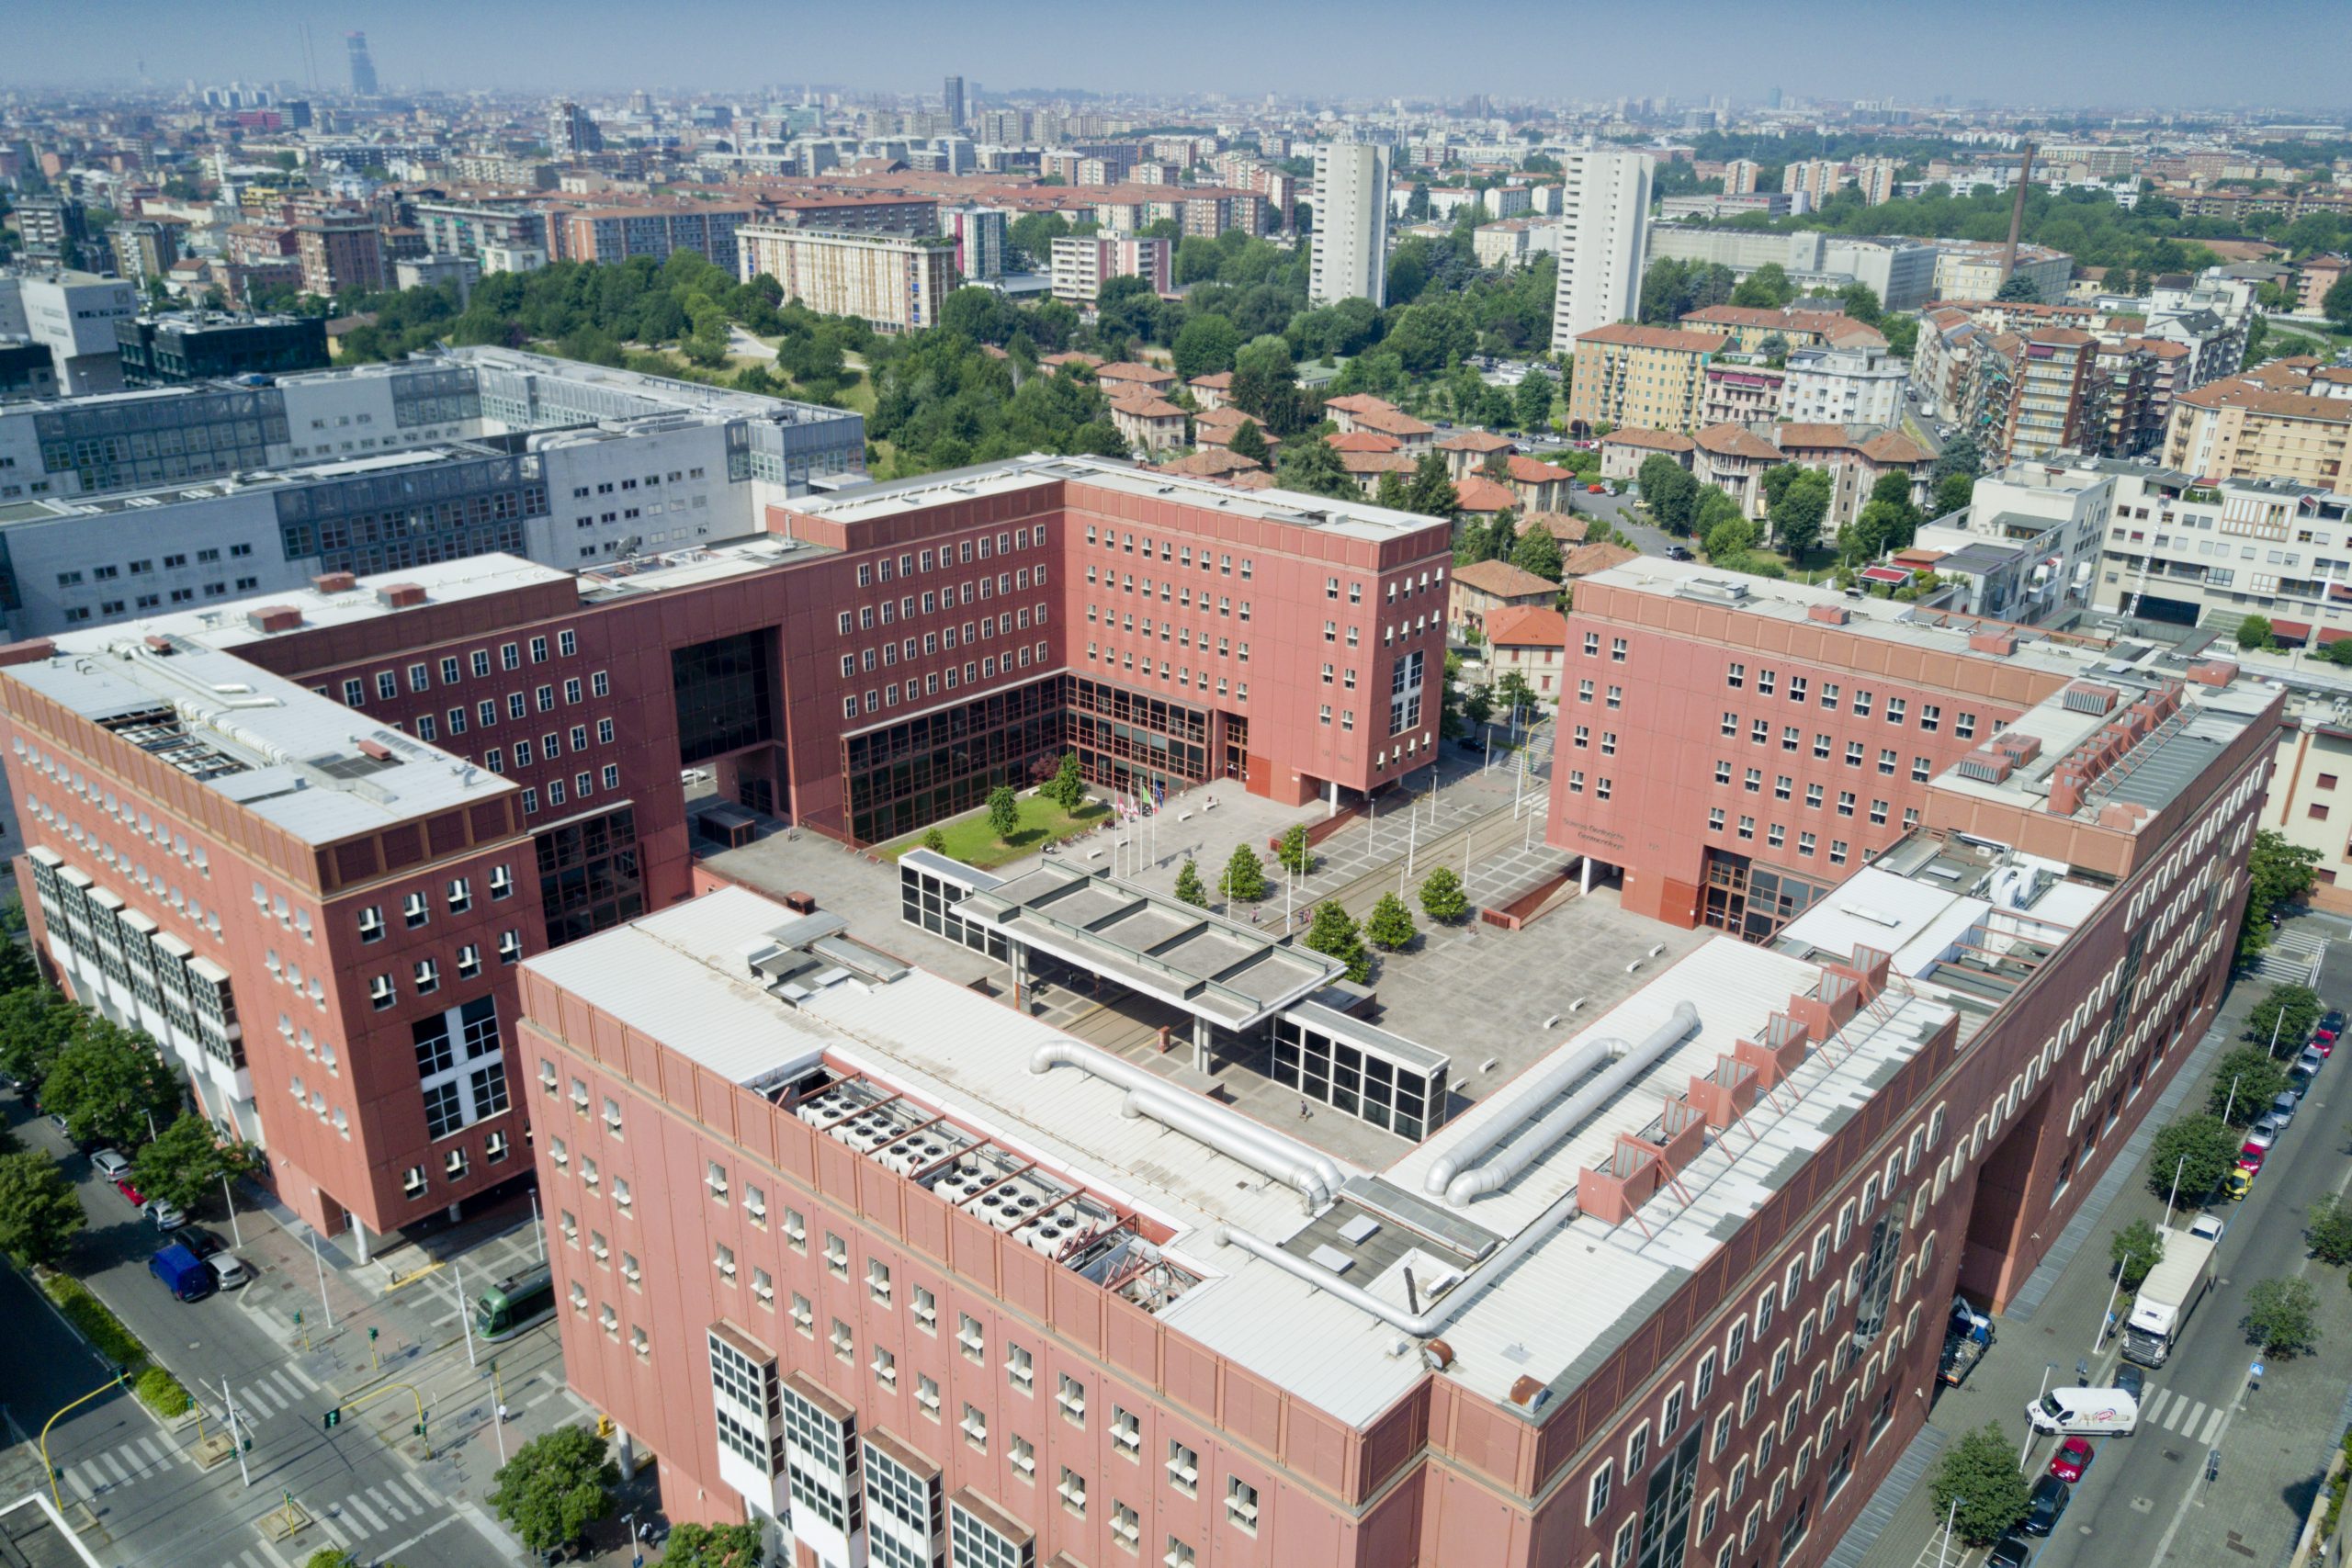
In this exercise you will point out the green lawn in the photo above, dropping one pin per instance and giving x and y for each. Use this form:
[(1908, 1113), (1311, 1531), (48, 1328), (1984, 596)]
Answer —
[(970, 839)]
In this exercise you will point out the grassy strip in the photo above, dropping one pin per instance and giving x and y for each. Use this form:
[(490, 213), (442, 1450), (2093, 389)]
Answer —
[(163, 1393), (100, 1327)]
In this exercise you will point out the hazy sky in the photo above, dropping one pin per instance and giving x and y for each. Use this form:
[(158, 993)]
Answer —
[(2092, 52)]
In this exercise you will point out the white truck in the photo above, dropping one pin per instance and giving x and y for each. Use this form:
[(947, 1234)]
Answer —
[(2167, 1296)]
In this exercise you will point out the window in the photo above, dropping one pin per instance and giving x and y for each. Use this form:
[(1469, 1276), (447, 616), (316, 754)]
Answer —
[(1241, 1505), (1072, 1400), (1183, 1469), (1020, 1367), (1596, 1496), (1127, 1431)]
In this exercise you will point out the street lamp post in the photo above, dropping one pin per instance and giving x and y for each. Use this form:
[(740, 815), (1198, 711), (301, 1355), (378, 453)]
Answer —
[(319, 1259), (2113, 1291), (230, 1198), (2232, 1103), (2047, 1368), (1950, 1514), (2176, 1169)]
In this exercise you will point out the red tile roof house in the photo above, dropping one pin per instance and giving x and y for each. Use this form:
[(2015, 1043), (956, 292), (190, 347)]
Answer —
[(1540, 486), (1365, 468), (1088, 361), (1363, 441), (1121, 377), (1210, 391), (1566, 526), (1216, 427), (1209, 463), (1531, 639), (1364, 412), (1481, 497), (1623, 452), (1146, 423), (1466, 452), (1733, 458), (1483, 587)]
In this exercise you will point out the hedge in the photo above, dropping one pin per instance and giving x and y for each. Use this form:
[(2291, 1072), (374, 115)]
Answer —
[(163, 1393), (99, 1327)]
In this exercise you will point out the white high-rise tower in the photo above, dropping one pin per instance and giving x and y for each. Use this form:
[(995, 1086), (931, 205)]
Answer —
[(1351, 259), (1604, 219)]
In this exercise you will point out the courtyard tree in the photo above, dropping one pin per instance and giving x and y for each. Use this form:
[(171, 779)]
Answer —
[(2135, 1250), (1294, 853), (1335, 934), (1188, 886), (2283, 1017), (2245, 1083), (185, 1164), (2327, 1229), (2198, 1150), (1391, 926), (1066, 789), (1443, 899), (2279, 873), (1244, 881), (2282, 1317), (555, 1487), (1005, 813), (110, 1082)]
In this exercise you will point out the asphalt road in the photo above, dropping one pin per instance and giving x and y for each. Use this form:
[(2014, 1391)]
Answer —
[(364, 1481), (2133, 1503)]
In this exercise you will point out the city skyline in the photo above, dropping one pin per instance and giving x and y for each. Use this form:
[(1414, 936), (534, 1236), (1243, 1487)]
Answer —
[(2080, 61)]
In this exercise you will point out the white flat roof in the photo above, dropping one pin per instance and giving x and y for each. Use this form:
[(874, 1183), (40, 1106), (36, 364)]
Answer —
[(226, 625)]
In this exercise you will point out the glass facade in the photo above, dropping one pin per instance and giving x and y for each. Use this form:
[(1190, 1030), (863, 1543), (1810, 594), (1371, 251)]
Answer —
[(589, 875), (726, 695), (1405, 1098), (160, 441), (1751, 901), (415, 516), (1128, 741), (915, 772)]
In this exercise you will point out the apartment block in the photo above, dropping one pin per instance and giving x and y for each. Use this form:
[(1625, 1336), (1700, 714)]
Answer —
[(73, 315), (164, 351), (895, 282), (1651, 376), (1604, 214), (979, 235), (1082, 263), (339, 253), (615, 234), (1844, 386), (2289, 421)]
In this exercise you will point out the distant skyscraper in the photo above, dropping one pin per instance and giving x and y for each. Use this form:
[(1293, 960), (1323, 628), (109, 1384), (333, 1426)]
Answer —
[(1604, 211), (1351, 258), (571, 132), (954, 99), (363, 68)]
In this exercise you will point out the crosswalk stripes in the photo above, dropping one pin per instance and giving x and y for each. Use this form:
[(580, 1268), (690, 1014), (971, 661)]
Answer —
[(140, 1458), (353, 1508), (310, 1383), (2153, 1406), (2213, 1427)]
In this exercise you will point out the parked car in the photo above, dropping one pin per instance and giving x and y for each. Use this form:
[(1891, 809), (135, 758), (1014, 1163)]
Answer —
[(131, 1194), (2209, 1227), (2073, 1457), (112, 1163), (167, 1216), (2264, 1133), (58, 1122), (2312, 1056), (201, 1242), (2046, 1506), (2322, 1045), (2133, 1380), (228, 1270), (1677, 552), (1597, 489), (2012, 1550), (2251, 1155), (2331, 1025), (183, 1273)]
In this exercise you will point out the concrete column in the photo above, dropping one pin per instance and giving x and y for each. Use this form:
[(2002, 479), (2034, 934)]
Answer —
[(628, 1454), (1332, 810), (359, 1234), (1586, 885), (1018, 957), (456, 1213), (1200, 1044)]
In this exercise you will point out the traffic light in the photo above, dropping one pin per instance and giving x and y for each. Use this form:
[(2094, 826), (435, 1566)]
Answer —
[(371, 1337), (248, 1444), (331, 1419)]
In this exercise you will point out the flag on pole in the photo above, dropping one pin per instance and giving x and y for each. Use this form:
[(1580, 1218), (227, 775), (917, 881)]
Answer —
[(1159, 792)]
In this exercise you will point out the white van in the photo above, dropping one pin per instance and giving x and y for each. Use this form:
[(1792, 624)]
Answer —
[(2091, 1412)]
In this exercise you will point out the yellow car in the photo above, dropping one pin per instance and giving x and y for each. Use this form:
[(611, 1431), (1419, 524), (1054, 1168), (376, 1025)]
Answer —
[(2237, 1183)]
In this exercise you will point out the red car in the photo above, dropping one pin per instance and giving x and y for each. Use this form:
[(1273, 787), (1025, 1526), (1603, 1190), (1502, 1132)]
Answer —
[(1598, 489), (2073, 1457), (130, 1194), (2325, 1043), (2250, 1158)]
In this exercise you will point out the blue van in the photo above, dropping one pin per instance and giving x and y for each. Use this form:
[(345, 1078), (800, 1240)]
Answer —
[(183, 1274)]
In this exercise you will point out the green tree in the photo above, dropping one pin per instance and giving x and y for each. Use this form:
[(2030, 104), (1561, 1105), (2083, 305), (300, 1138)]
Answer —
[(2328, 1231), (1533, 401), (1188, 884), (1961, 455), (2198, 1150), (1244, 881), (2282, 1317), (2253, 632), (1766, 288), (186, 1163), (1669, 492), (1005, 813), (1862, 302), (108, 1081), (2133, 1250), (2018, 287), (1538, 552), (40, 1215), (1978, 1486), (712, 1546), (1776, 483), (35, 1025), (1430, 491), (1205, 346), (1335, 934), (1249, 441), (1443, 899), (2278, 873), (1954, 492), (1068, 787), (934, 840), (2245, 1083), (1391, 926), (1291, 852), (555, 1486), (1311, 466), (1478, 705), (1514, 692), (2285, 1015), (1803, 506)]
